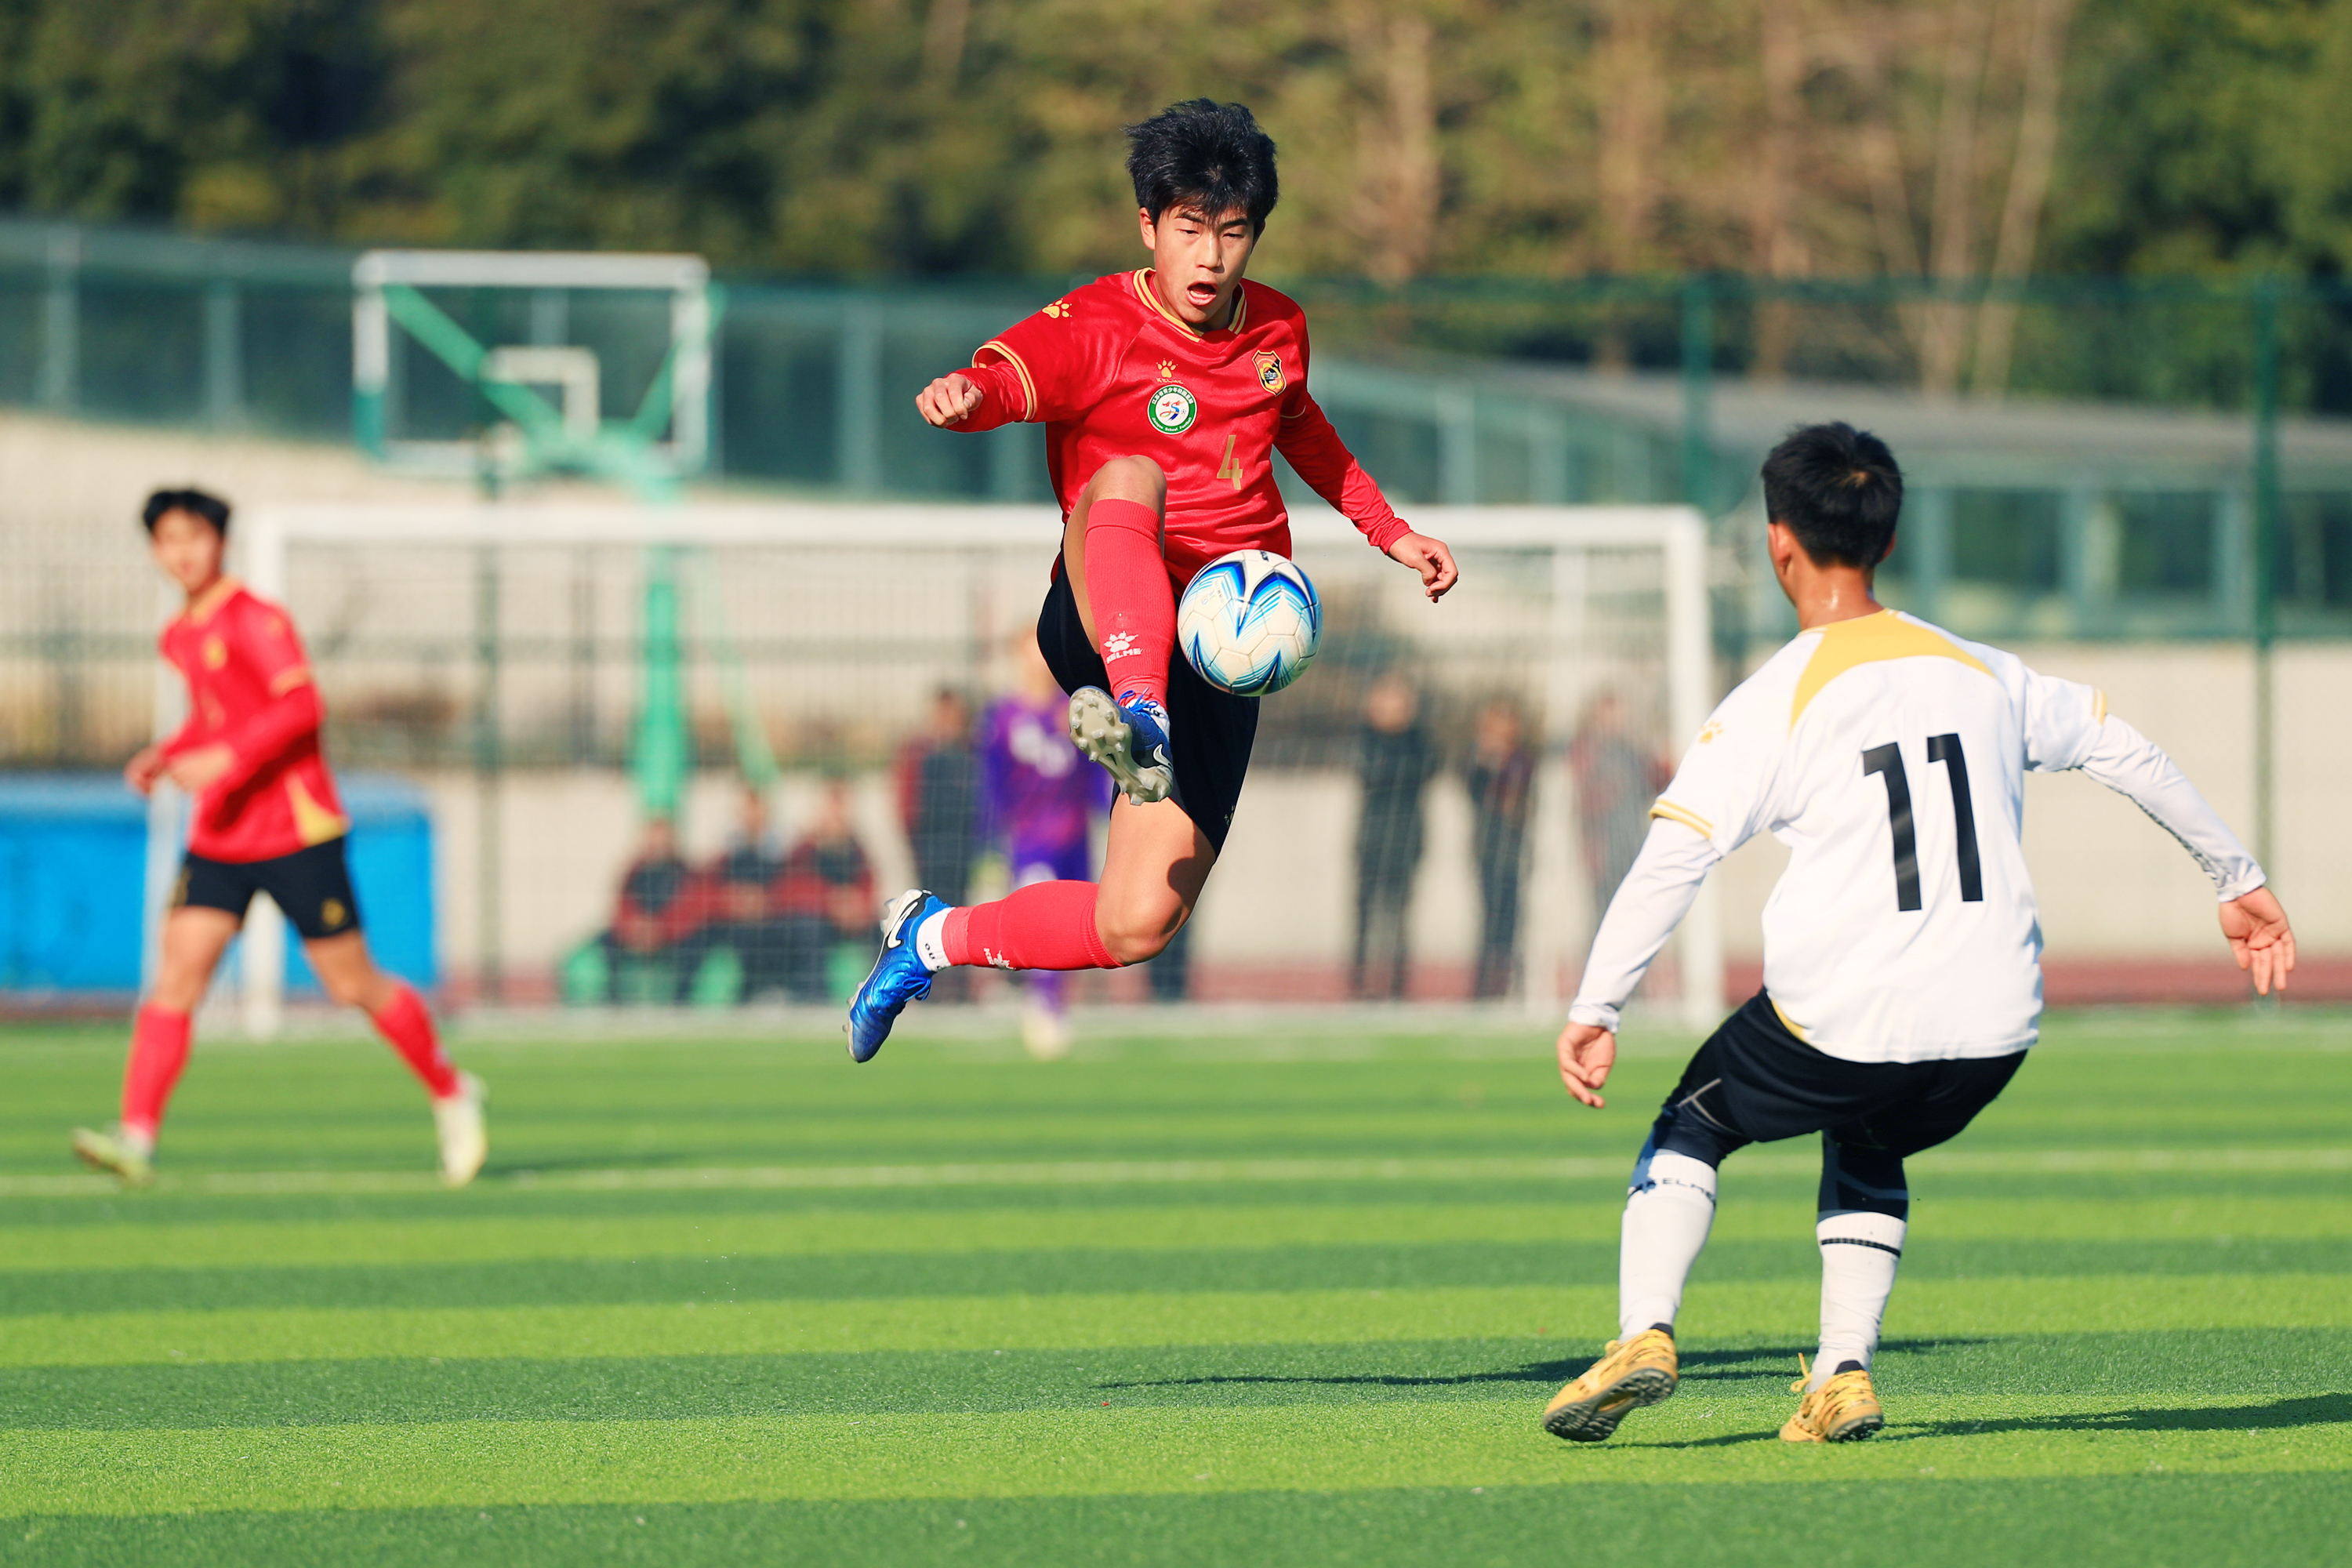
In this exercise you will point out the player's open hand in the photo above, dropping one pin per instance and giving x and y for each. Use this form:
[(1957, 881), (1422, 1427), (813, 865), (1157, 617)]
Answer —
[(2260, 939), (145, 766), (1430, 558), (1587, 1052), (199, 770), (948, 400)]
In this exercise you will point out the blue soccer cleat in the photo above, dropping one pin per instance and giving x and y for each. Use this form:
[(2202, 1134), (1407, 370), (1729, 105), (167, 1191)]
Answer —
[(1129, 738), (898, 977)]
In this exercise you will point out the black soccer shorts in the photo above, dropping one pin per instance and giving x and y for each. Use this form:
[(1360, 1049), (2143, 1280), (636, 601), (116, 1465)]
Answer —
[(1210, 732), (312, 885), (1754, 1082)]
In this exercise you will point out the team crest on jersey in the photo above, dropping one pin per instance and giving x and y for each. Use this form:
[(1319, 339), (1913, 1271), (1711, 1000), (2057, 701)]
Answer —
[(1269, 370), (1172, 409)]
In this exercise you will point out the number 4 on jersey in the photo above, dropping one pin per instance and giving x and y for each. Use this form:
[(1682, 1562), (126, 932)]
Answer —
[(1886, 761), (1230, 468)]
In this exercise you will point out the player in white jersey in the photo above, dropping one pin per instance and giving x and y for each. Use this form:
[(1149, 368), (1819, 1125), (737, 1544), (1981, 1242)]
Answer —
[(1902, 951)]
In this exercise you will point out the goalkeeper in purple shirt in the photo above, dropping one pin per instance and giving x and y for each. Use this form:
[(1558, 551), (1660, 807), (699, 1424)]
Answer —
[(1041, 801)]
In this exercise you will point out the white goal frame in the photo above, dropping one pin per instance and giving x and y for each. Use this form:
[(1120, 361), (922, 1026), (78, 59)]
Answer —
[(685, 278), (266, 537)]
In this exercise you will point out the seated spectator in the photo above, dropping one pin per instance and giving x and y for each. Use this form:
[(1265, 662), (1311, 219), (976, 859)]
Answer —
[(658, 910), (824, 896), (737, 892)]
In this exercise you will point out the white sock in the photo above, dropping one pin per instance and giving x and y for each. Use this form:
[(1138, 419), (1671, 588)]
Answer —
[(931, 942), (1859, 1254), (1667, 1216)]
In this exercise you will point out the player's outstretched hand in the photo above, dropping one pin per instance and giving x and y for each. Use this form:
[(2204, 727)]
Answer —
[(1587, 1052), (2260, 937), (1430, 558), (145, 766), (948, 400), (198, 770)]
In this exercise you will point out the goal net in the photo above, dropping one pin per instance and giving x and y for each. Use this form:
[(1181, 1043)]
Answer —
[(501, 656)]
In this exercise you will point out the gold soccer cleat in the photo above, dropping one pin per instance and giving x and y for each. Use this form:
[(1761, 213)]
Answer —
[(1635, 1371), (125, 1157), (1843, 1410)]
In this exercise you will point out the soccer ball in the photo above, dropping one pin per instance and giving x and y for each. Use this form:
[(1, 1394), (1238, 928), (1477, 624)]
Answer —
[(1249, 621)]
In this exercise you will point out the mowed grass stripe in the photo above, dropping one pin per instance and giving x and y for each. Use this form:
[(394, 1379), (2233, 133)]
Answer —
[(508, 1239), (2218, 1160), (580, 1282), (2011, 1306), (1112, 1450), (2296, 1366)]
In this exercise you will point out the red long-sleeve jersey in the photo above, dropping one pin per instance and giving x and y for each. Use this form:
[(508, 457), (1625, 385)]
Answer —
[(1112, 371), (249, 689)]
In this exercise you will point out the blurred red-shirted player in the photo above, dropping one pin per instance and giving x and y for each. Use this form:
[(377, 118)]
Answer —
[(1165, 394), (266, 820)]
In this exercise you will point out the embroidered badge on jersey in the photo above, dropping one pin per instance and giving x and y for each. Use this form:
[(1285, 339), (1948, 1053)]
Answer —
[(1269, 370), (1173, 408)]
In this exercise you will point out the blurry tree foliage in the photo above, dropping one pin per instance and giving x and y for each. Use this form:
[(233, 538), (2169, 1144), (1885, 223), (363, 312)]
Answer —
[(1958, 139)]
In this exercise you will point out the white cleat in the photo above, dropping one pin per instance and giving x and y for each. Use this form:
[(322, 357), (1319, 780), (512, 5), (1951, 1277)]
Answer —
[(465, 1140), (1046, 1035), (1130, 744)]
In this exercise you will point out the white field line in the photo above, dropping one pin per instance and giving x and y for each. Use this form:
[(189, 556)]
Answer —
[(1088, 1174)]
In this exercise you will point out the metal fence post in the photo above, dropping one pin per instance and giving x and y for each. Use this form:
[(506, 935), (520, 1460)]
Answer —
[(1458, 446), (60, 373), (2265, 556), (1930, 548), (490, 949), (859, 395), (1698, 376), (223, 354)]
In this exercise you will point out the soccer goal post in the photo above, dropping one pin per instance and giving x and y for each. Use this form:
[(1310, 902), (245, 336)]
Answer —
[(494, 653)]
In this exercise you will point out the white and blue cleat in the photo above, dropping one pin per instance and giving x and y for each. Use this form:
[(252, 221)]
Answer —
[(1130, 740), (897, 978)]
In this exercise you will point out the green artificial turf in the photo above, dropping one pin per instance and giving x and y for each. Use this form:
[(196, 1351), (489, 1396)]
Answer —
[(1289, 1295)]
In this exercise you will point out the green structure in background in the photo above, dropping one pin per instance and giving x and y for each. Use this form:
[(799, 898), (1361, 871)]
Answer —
[(662, 751)]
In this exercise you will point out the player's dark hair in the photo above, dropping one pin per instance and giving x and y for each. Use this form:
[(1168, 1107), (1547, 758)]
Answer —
[(1838, 490), (1206, 154), (194, 502)]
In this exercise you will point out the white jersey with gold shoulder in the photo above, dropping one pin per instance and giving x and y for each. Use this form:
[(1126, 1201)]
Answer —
[(1890, 756)]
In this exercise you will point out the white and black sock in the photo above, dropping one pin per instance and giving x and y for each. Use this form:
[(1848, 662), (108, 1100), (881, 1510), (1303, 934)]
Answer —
[(1668, 1215), (1859, 1254), (930, 940)]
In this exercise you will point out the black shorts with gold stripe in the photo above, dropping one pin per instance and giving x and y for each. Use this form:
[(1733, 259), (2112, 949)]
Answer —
[(313, 886)]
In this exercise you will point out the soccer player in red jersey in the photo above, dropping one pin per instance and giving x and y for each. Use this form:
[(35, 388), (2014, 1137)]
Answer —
[(1165, 394), (266, 820)]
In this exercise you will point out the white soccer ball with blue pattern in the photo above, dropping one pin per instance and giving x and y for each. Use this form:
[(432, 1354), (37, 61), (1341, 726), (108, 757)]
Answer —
[(1249, 621)]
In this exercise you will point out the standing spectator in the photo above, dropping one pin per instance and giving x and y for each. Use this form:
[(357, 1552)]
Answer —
[(1500, 778), (657, 911), (1042, 801), (824, 896), (1395, 762), (1616, 780), (737, 891), (938, 797), (939, 805)]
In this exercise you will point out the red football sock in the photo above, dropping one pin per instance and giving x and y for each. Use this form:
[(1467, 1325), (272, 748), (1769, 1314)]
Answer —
[(159, 1049), (1047, 925), (1133, 602), (409, 1027)]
